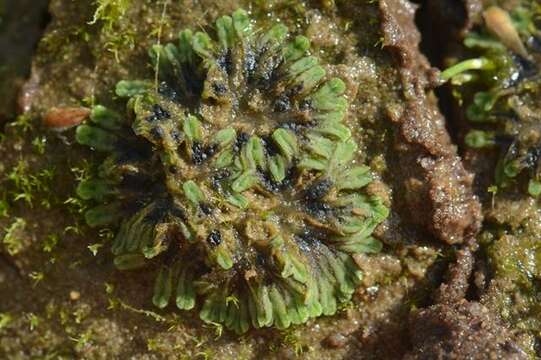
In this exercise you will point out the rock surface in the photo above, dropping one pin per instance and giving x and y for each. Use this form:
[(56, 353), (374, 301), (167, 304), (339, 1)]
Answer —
[(464, 330)]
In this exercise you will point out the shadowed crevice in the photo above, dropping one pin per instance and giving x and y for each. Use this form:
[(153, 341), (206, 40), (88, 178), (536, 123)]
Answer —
[(22, 23)]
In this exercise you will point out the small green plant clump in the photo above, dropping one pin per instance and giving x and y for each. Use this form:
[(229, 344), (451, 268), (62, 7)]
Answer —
[(500, 87), (235, 177)]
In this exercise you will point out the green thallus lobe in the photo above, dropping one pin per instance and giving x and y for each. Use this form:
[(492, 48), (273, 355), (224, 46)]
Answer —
[(501, 90), (236, 178)]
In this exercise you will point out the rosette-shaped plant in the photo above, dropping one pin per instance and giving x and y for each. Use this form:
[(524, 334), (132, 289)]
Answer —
[(500, 88), (234, 175)]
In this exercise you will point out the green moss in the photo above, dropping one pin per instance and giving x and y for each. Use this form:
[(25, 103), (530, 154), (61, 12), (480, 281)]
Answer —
[(28, 186), (117, 35), (4, 206), (516, 262), (235, 178), (110, 11), (37, 277), (5, 320), (500, 90), (23, 122), (33, 321), (13, 237), (515, 253)]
